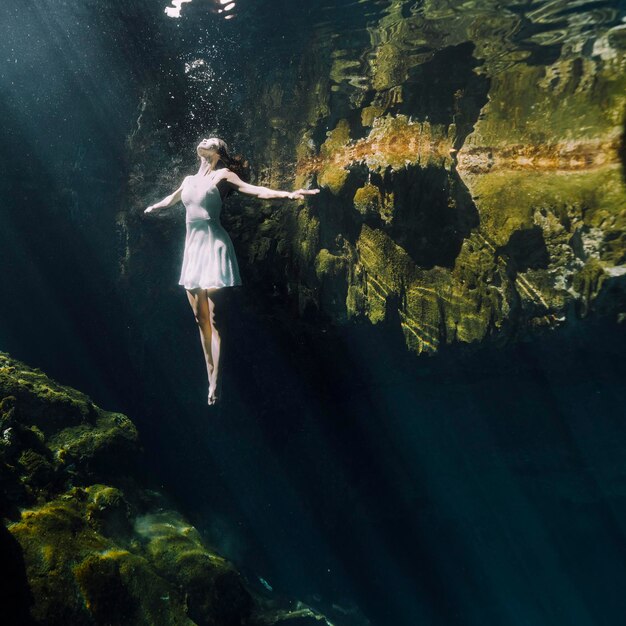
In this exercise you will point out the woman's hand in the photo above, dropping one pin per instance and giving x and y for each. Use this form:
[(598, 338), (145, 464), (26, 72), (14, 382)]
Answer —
[(300, 193), (150, 209)]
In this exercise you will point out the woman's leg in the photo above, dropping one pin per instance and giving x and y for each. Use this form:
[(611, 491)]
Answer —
[(200, 306), (215, 349)]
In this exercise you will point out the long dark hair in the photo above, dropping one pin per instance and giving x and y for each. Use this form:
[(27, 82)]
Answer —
[(236, 163)]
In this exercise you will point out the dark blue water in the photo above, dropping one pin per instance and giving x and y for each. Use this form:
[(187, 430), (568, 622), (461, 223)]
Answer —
[(474, 487), (463, 490)]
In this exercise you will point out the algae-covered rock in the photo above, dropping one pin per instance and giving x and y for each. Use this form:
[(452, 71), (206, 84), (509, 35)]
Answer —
[(105, 552), (299, 616), (215, 591), (54, 437), (460, 143), (79, 576), (333, 174), (108, 511), (42, 401)]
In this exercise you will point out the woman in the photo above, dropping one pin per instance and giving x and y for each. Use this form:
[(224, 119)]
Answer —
[(209, 260)]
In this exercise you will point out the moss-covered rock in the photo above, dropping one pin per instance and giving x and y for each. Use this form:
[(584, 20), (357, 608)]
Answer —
[(489, 154), (488, 171), (107, 552), (108, 511)]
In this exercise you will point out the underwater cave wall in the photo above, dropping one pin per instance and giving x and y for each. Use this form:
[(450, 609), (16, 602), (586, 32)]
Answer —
[(469, 161)]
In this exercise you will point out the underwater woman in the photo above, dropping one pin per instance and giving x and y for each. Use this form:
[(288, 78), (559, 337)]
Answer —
[(209, 260)]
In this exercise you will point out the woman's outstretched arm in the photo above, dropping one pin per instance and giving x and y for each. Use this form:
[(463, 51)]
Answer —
[(173, 198), (265, 193)]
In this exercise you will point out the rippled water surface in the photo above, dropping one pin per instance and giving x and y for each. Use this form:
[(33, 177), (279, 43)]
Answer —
[(505, 32)]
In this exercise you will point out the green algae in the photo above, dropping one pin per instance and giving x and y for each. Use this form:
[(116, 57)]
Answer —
[(328, 265), (108, 511), (101, 583), (564, 103), (370, 113), (508, 201), (215, 591), (35, 390), (368, 200), (102, 552), (331, 175), (307, 236), (588, 282)]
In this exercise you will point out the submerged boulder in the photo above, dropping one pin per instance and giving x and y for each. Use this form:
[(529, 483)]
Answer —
[(87, 542)]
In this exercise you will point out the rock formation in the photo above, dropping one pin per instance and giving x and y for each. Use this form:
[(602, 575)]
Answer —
[(89, 543), (473, 183)]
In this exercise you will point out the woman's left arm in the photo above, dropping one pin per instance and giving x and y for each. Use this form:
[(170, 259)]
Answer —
[(265, 193)]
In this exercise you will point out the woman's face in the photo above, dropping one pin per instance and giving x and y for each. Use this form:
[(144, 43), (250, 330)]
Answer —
[(207, 147)]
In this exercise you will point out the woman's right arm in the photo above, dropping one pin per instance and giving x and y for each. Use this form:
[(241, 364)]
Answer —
[(173, 198)]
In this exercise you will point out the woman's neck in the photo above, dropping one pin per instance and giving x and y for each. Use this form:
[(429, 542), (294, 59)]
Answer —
[(207, 168)]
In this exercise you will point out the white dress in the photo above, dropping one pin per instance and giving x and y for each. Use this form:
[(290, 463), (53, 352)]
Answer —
[(209, 260)]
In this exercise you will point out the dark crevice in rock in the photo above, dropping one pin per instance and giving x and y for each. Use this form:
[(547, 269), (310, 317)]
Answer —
[(336, 215), (446, 89), (526, 249), (16, 597), (357, 130), (433, 214)]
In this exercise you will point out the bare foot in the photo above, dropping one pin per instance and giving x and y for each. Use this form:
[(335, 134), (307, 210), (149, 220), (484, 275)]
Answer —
[(214, 393), (211, 396)]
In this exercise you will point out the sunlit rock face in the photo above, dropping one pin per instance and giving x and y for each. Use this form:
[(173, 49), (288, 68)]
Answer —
[(469, 157), (87, 541)]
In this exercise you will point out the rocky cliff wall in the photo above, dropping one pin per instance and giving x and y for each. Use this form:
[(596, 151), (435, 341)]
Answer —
[(469, 160)]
